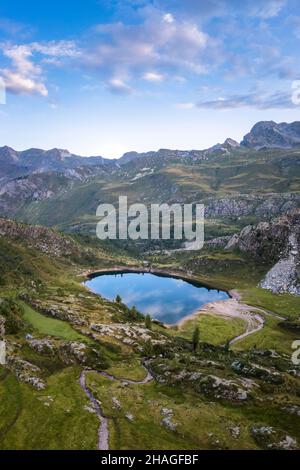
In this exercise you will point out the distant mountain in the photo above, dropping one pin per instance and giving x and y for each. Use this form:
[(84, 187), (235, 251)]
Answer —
[(269, 134), (161, 153), (42, 161), (128, 157), (264, 134)]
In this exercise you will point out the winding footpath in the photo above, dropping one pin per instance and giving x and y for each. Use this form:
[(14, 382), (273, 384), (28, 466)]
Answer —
[(103, 433)]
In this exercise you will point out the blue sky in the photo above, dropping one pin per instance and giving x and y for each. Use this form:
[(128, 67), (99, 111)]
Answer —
[(105, 77)]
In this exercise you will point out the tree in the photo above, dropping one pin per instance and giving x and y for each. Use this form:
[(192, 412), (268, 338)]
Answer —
[(148, 349), (134, 312), (196, 337), (148, 322), (118, 299)]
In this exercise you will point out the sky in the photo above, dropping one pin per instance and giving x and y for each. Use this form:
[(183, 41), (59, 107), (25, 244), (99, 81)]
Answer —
[(106, 77)]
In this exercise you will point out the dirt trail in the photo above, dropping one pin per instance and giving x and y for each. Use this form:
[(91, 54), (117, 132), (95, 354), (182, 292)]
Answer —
[(234, 309), (103, 433)]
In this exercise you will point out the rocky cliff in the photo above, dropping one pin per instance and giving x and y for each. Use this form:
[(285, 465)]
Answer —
[(273, 135), (277, 241)]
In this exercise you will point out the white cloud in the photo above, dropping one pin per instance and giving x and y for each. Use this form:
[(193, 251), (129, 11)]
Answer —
[(119, 86), (17, 83), (153, 77), (155, 43), (25, 76), (168, 18), (56, 48)]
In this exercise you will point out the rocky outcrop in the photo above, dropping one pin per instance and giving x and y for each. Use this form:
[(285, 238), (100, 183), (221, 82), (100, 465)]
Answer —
[(242, 205), (256, 371), (285, 275), (25, 371), (269, 240), (45, 240), (277, 241), (267, 437), (269, 134)]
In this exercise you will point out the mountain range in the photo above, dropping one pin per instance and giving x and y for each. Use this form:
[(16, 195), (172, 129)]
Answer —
[(239, 183), (265, 134)]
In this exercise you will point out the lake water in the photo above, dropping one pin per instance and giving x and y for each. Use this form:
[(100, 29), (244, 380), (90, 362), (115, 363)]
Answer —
[(164, 298)]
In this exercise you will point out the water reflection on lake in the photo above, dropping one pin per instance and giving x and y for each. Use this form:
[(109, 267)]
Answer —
[(164, 298)]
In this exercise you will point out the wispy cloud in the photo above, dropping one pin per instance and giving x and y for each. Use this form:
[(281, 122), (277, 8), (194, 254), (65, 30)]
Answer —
[(167, 41), (25, 74), (119, 86), (252, 100), (153, 77), (158, 42), (185, 105)]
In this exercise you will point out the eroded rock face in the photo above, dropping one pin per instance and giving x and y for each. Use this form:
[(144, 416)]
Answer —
[(285, 275), (276, 241), (263, 207)]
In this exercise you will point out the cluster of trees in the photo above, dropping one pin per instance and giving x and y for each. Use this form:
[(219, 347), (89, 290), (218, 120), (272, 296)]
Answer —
[(131, 313)]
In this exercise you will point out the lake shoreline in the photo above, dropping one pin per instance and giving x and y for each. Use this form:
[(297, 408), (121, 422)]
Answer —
[(189, 278), (175, 274)]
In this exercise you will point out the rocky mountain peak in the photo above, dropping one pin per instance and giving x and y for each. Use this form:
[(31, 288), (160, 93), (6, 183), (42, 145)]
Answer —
[(231, 142), (269, 134), (8, 154)]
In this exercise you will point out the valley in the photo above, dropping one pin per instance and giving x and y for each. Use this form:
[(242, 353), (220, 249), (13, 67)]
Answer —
[(88, 370)]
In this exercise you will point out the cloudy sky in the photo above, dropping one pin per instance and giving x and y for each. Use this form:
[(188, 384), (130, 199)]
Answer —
[(105, 77)]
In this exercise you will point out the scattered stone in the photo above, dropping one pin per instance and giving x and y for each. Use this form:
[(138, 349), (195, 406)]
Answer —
[(268, 437), (130, 417), (167, 419), (235, 431), (256, 371), (292, 409), (116, 403)]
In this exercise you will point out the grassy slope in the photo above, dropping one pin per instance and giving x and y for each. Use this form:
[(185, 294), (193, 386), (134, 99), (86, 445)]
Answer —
[(50, 326), (27, 422), (214, 329)]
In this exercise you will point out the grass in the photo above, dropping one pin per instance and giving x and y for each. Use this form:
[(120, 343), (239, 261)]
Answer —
[(51, 326), (29, 419), (129, 369), (286, 305), (214, 329), (270, 337), (28, 423), (200, 424)]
